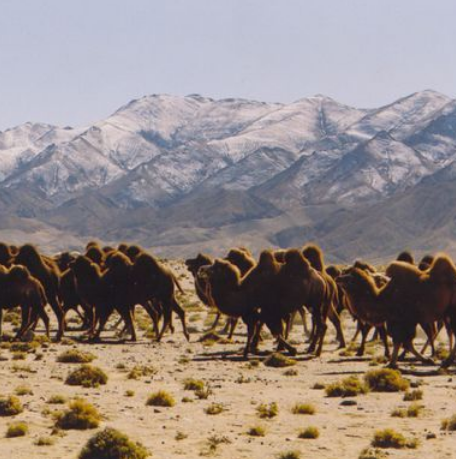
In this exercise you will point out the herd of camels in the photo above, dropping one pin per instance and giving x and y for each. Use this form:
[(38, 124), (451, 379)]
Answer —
[(268, 292)]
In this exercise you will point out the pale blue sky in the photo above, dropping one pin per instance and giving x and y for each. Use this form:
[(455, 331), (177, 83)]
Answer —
[(71, 62)]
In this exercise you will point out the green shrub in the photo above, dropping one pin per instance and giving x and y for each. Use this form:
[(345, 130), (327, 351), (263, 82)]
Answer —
[(18, 429), (81, 415), (372, 453), (161, 398), (289, 455), (141, 371), (215, 408), (278, 360), (386, 380), (256, 431), (265, 411), (112, 444), (449, 424), (10, 406), (87, 376), (414, 395), (413, 411), (193, 384), (44, 441), (75, 356), (348, 387), (388, 438), (303, 408), (57, 400), (310, 432), (23, 390)]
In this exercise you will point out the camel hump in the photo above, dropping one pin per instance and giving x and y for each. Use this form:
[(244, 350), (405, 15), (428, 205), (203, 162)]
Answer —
[(19, 273), (403, 271), (443, 269), (314, 254), (295, 262)]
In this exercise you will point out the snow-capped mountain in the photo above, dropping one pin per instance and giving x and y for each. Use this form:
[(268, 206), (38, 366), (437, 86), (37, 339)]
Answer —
[(222, 162)]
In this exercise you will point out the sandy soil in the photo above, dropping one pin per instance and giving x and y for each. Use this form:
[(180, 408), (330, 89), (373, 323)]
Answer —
[(238, 385)]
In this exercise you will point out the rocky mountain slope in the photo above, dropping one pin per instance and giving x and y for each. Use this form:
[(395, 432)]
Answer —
[(182, 174)]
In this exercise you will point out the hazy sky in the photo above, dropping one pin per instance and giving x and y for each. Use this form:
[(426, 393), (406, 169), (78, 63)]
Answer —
[(72, 62)]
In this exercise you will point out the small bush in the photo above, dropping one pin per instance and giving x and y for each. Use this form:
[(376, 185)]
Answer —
[(112, 444), (256, 431), (23, 390), (193, 384), (388, 438), (291, 372), (10, 406), (278, 360), (81, 415), (414, 395), (289, 455), (309, 433), (449, 424), (213, 443), (75, 356), (265, 411), (129, 393), (386, 380), (215, 408), (318, 386), (19, 356), (141, 371), (44, 441), (348, 387), (180, 436), (372, 453), (413, 411), (161, 398), (18, 429), (303, 408), (87, 376), (57, 400)]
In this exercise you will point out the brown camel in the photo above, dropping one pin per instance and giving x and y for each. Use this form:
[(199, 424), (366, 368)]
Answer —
[(19, 288), (46, 271)]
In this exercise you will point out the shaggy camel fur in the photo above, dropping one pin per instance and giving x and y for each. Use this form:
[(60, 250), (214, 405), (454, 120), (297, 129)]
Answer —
[(19, 288), (46, 271)]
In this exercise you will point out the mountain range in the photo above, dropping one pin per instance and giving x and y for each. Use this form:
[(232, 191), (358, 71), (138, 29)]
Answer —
[(185, 174)]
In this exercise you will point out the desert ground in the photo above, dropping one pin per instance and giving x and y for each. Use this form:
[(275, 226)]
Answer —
[(239, 386)]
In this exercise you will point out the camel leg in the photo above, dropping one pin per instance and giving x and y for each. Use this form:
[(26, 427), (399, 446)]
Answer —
[(58, 311), (215, 323), (305, 326), (256, 338), (102, 319), (395, 355), (365, 329), (431, 333), (410, 347), (285, 345), (324, 327), (26, 321), (289, 324), (1, 322), (335, 320), (251, 323), (233, 324), (181, 313), (383, 335), (167, 311), (357, 332)]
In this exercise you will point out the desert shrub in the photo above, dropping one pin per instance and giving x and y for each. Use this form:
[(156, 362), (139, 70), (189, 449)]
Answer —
[(112, 444), (75, 356), (413, 411), (213, 442), (389, 438), (10, 406), (413, 395), (310, 432), (303, 408), (56, 400), (129, 393), (23, 390), (266, 411), (319, 386), (278, 360), (215, 408), (87, 376), (289, 455), (180, 436), (44, 441), (81, 415), (18, 429), (19, 356), (348, 387), (161, 398), (256, 431), (193, 384), (449, 424), (140, 371), (291, 372), (386, 380), (372, 453)]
